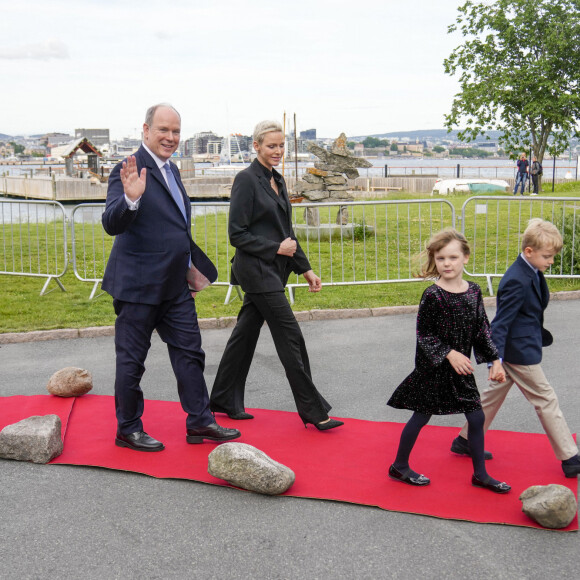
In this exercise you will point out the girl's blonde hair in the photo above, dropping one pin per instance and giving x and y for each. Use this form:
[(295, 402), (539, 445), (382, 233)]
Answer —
[(437, 243)]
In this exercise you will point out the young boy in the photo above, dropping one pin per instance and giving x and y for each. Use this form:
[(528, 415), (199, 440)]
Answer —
[(518, 333)]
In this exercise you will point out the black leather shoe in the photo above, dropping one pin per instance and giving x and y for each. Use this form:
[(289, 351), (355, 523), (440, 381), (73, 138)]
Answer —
[(500, 487), (139, 441), (394, 473), (571, 470), (240, 416), (330, 424), (212, 432), (461, 447)]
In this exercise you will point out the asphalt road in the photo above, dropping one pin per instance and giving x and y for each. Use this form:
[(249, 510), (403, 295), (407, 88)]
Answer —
[(81, 522)]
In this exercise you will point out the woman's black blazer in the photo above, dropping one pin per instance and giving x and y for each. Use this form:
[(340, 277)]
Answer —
[(259, 221)]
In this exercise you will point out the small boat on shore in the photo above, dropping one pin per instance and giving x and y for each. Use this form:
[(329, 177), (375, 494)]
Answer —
[(446, 186)]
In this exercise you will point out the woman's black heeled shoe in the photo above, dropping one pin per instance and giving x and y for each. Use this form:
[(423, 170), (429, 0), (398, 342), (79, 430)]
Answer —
[(500, 487), (330, 424), (236, 416)]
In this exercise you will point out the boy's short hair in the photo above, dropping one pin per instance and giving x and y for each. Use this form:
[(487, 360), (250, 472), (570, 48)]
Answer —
[(542, 234)]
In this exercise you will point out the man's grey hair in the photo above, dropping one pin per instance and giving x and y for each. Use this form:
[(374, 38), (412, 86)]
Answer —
[(151, 112), (264, 127)]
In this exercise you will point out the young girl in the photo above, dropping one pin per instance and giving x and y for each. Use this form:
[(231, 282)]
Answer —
[(451, 320)]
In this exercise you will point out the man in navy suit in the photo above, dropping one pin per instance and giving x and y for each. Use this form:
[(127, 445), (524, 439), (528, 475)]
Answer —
[(153, 268), (519, 334)]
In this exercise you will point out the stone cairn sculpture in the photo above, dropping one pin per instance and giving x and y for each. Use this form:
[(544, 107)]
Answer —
[(327, 180)]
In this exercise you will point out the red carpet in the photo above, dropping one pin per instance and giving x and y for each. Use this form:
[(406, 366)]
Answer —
[(346, 464)]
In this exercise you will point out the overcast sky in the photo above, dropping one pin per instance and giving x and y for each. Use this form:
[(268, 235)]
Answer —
[(361, 67)]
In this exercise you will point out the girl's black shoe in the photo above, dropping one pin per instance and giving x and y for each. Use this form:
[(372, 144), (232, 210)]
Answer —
[(406, 477), (500, 487)]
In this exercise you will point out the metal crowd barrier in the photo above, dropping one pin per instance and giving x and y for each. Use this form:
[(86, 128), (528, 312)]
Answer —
[(91, 245), (347, 243), (33, 240), (494, 225), (374, 242)]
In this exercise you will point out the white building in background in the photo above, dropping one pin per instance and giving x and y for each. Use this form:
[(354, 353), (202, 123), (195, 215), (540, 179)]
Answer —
[(491, 146), (125, 147), (232, 149), (97, 137)]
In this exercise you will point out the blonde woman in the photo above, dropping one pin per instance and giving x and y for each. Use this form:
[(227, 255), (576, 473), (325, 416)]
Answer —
[(260, 228)]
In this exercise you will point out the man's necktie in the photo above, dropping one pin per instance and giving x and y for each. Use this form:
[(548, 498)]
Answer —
[(174, 188)]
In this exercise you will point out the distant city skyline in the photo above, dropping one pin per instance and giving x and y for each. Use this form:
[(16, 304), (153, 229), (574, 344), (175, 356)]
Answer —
[(310, 134), (98, 136), (340, 66), (289, 131)]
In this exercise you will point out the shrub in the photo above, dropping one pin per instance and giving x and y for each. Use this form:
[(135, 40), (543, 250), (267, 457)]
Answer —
[(568, 260), (360, 231)]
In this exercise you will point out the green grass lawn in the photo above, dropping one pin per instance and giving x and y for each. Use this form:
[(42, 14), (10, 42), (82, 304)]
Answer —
[(386, 242)]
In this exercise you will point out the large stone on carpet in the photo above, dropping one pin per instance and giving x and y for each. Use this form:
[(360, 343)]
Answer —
[(37, 439), (245, 466), (551, 506), (70, 382)]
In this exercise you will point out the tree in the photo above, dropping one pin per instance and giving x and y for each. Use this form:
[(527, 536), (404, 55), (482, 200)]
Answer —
[(438, 149), (520, 73), (469, 153), (17, 148), (372, 142)]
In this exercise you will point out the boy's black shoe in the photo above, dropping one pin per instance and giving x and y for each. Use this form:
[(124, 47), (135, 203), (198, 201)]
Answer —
[(461, 447), (571, 469)]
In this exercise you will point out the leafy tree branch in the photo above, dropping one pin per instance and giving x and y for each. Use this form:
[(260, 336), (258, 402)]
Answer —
[(519, 73)]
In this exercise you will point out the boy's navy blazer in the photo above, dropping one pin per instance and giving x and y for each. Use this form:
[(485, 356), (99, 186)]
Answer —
[(153, 245), (259, 221), (517, 329)]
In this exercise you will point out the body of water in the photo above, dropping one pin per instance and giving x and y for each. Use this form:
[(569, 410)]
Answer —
[(395, 166), (428, 166), (479, 168)]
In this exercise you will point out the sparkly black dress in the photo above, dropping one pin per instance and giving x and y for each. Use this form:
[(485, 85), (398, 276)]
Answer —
[(446, 321)]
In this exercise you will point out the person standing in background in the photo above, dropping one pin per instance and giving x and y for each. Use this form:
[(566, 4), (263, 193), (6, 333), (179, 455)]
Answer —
[(522, 174), (535, 171)]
